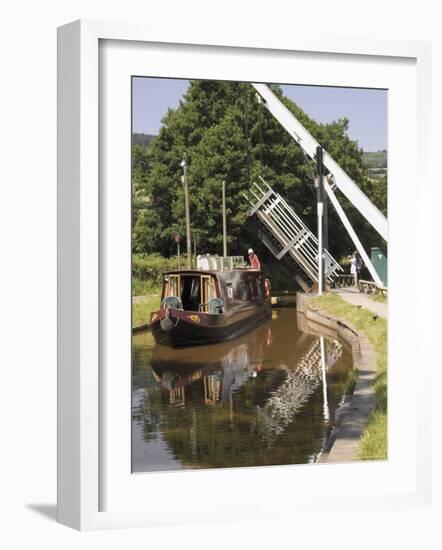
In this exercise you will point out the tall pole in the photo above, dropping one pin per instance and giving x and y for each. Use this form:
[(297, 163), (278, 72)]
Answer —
[(186, 201), (177, 240), (194, 245), (320, 200), (325, 220), (224, 221)]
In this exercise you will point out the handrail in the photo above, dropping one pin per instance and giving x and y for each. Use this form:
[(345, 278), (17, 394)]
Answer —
[(179, 303), (371, 285), (219, 306)]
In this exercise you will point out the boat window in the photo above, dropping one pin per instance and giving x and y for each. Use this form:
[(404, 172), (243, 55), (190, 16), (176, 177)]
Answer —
[(190, 292), (172, 287), (208, 291)]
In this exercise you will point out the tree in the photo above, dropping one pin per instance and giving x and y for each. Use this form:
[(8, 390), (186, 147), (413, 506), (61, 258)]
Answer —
[(142, 140), (211, 125)]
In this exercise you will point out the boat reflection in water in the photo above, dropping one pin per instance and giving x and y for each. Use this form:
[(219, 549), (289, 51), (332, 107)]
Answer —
[(266, 398)]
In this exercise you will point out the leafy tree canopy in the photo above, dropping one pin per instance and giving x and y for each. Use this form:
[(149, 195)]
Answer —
[(211, 126)]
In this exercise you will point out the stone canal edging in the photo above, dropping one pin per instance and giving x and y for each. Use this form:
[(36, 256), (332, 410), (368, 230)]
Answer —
[(345, 438)]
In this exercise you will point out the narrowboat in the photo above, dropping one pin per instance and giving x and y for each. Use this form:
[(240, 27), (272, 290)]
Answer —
[(205, 306)]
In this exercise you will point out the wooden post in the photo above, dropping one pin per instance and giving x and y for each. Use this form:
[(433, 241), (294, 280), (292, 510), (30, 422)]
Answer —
[(177, 239), (186, 201), (224, 221)]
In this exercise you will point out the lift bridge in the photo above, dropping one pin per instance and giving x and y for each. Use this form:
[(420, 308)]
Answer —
[(287, 237), (285, 234)]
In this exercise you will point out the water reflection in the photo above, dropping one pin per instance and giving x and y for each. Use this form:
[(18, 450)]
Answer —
[(268, 397)]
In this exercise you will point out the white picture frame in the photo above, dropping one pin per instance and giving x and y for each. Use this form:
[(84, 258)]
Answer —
[(81, 294)]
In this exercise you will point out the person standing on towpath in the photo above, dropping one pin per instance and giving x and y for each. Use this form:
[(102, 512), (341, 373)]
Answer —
[(355, 266)]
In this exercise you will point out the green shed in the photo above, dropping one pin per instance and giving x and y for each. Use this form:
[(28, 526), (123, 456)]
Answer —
[(379, 259)]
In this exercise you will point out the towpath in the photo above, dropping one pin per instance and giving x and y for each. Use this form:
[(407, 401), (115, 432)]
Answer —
[(356, 298)]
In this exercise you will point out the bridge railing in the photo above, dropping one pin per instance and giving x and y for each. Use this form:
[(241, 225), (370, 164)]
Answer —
[(368, 287), (343, 279)]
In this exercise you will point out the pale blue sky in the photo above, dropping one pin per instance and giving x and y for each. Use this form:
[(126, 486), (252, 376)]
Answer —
[(365, 108)]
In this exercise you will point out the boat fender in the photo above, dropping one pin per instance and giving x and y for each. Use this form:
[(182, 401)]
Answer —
[(267, 287), (167, 323)]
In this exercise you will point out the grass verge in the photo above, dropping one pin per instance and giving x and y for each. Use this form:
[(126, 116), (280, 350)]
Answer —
[(374, 440), (379, 297), (142, 306), (141, 287)]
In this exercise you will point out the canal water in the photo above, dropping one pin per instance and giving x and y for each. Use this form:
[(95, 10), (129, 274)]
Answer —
[(267, 398)]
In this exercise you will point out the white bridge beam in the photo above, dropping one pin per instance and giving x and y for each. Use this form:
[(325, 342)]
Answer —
[(307, 142), (352, 233)]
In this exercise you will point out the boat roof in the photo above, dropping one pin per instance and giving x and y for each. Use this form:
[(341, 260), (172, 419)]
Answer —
[(209, 271)]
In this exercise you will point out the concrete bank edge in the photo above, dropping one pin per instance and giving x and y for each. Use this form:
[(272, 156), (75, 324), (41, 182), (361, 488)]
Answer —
[(350, 425)]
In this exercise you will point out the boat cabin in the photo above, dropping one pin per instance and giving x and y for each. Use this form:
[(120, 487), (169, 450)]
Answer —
[(211, 291)]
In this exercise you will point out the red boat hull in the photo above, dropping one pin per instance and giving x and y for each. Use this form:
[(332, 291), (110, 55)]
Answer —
[(177, 327)]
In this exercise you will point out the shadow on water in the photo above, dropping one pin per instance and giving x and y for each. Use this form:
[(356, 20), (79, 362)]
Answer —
[(266, 398)]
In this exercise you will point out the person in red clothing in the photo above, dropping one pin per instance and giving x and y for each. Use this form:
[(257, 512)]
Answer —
[(254, 260)]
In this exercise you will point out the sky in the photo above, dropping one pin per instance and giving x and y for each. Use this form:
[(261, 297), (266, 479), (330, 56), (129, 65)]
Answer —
[(366, 109)]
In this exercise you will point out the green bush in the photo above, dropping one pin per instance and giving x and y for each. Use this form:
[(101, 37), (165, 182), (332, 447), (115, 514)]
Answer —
[(150, 267)]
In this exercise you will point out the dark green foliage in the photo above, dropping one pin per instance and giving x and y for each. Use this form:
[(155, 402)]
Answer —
[(377, 192), (376, 159), (142, 140), (210, 127), (376, 164)]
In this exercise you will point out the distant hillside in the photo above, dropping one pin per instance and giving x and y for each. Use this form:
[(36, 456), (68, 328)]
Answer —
[(376, 162), (141, 139)]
